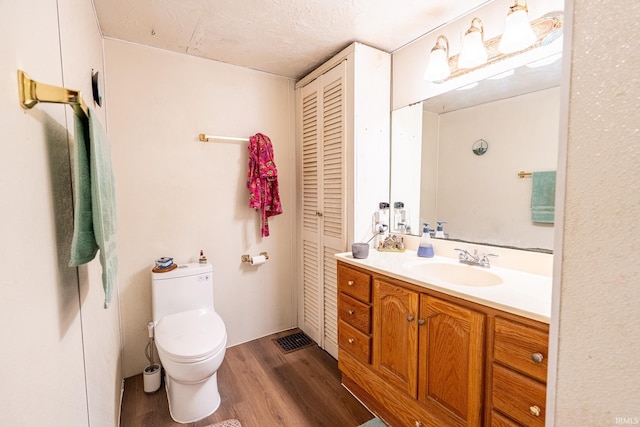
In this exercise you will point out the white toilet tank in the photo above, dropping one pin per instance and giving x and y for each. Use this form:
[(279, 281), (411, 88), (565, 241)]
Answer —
[(188, 287)]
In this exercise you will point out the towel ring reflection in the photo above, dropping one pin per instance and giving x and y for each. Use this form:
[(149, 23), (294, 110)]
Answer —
[(480, 147)]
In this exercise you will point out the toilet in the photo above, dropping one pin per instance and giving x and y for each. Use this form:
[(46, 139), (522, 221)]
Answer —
[(191, 339)]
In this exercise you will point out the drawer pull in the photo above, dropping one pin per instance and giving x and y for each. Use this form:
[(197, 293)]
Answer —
[(410, 318), (537, 357), (350, 283), (534, 410), (351, 312), (351, 340), (418, 423)]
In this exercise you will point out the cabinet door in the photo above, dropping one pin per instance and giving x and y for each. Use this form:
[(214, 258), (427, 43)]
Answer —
[(451, 358), (323, 203), (395, 335)]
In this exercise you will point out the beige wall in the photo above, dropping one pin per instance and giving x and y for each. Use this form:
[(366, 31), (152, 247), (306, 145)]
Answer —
[(177, 195), (597, 284), (60, 352)]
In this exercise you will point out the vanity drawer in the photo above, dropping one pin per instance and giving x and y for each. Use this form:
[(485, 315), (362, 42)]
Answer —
[(521, 347), (354, 312), (354, 342), (518, 397), (355, 283)]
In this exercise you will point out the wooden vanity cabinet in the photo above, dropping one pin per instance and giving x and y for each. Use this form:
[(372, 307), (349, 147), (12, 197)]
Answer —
[(430, 348), (395, 335), (518, 366), (451, 358), (427, 353), (417, 357), (354, 313)]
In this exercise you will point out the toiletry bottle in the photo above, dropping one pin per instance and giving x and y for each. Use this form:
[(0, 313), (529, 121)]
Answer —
[(381, 223), (440, 231), (381, 218), (203, 258), (398, 217), (425, 249)]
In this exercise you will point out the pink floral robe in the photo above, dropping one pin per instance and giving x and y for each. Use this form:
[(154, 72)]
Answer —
[(262, 180)]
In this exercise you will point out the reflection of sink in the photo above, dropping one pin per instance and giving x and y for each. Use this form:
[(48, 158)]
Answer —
[(458, 274)]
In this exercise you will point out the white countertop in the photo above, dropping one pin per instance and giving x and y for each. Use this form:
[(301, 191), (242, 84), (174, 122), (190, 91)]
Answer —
[(521, 293)]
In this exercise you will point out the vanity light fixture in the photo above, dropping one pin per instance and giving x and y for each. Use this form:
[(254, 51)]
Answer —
[(438, 68), (473, 52), (546, 30), (518, 34)]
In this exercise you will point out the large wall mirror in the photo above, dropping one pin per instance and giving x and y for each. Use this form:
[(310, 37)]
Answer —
[(439, 176)]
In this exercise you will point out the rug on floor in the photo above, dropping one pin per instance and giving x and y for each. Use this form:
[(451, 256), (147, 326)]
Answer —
[(226, 423), (376, 422)]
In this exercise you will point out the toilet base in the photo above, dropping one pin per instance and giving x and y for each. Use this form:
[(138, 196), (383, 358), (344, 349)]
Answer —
[(190, 402)]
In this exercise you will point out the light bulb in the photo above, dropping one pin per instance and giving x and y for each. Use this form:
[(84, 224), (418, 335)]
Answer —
[(438, 67), (518, 34), (473, 51)]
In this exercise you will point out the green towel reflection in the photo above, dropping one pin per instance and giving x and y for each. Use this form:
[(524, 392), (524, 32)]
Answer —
[(543, 196)]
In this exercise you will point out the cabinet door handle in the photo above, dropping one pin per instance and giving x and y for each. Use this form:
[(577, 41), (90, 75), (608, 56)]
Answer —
[(534, 410), (410, 318), (420, 321), (418, 423), (318, 213), (351, 340), (537, 357), (351, 311), (350, 283)]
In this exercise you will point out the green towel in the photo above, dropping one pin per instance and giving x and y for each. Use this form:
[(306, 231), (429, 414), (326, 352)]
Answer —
[(83, 244), (543, 196), (103, 204), (95, 209)]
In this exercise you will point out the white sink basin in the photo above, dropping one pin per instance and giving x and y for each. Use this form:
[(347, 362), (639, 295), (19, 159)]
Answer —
[(457, 274)]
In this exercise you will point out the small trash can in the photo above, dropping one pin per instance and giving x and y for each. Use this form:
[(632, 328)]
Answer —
[(151, 377)]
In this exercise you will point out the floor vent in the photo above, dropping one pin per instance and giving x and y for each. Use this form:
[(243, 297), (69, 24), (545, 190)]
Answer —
[(293, 342)]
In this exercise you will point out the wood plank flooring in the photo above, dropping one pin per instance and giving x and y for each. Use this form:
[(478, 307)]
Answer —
[(261, 387)]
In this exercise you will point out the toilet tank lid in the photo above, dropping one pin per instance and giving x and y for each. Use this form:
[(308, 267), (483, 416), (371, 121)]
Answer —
[(191, 335), (184, 270)]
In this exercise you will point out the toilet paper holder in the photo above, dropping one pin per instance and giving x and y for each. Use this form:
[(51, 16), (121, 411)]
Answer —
[(247, 257)]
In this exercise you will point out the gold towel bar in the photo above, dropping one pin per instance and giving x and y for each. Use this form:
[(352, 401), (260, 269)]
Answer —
[(523, 174), (31, 92), (205, 138)]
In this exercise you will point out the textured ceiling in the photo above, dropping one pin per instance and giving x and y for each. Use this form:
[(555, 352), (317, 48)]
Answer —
[(284, 37)]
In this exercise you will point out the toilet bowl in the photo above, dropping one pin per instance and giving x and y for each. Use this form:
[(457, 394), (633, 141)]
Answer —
[(191, 340), (191, 346)]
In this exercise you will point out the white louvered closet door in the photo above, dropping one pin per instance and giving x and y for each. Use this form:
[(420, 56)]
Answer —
[(323, 203)]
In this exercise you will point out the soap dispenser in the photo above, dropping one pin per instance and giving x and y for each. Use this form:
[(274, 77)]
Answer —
[(440, 231), (425, 249)]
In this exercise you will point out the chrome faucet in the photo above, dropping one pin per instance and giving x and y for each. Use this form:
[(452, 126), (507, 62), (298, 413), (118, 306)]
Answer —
[(466, 257)]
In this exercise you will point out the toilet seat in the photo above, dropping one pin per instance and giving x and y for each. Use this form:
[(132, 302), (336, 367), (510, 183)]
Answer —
[(191, 336)]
